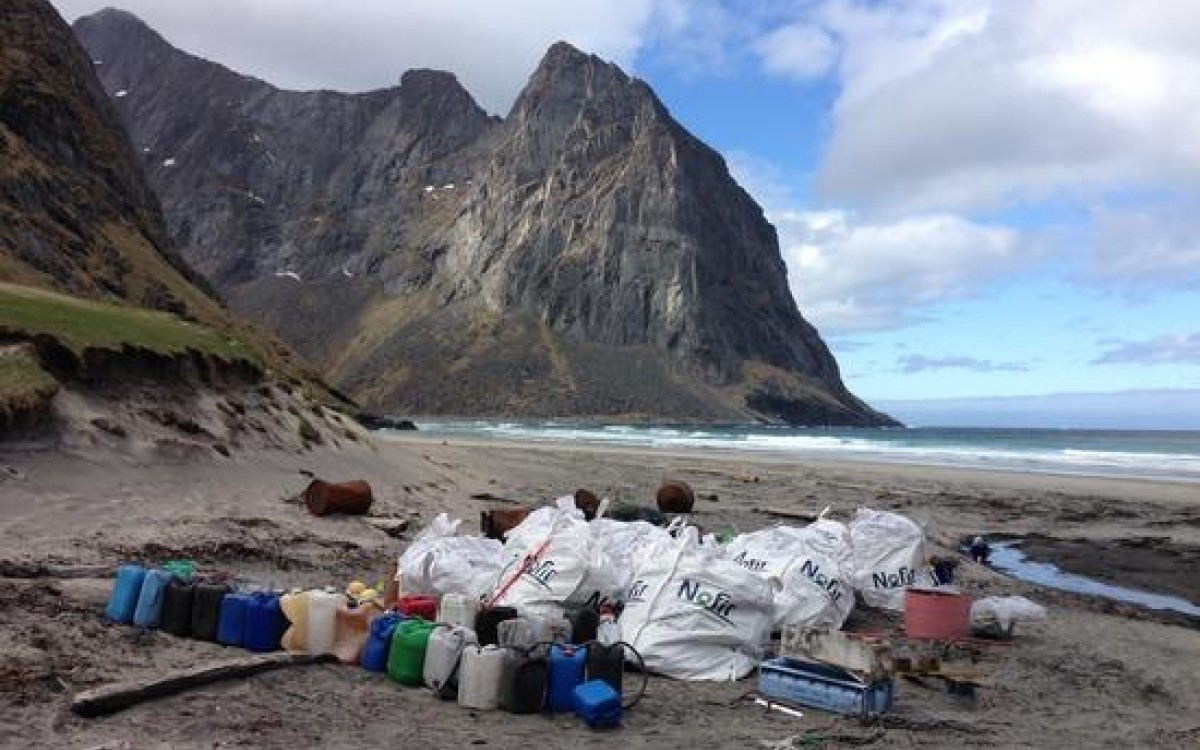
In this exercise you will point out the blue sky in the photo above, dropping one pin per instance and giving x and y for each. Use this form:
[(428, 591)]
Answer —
[(975, 198)]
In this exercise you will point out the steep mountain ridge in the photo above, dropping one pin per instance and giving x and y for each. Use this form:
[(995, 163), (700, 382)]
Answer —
[(584, 256)]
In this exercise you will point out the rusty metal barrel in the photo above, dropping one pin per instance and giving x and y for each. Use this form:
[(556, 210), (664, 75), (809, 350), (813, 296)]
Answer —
[(675, 496), (496, 522), (323, 498)]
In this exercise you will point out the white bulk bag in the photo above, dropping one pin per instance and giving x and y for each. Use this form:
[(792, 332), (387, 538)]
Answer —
[(694, 615), (546, 559), (439, 561), (815, 589), (888, 553)]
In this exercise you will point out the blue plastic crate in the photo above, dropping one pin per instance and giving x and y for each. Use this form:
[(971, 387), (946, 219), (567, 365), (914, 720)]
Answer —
[(824, 687)]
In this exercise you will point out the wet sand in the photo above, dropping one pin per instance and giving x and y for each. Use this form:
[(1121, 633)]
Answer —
[(1095, 674)]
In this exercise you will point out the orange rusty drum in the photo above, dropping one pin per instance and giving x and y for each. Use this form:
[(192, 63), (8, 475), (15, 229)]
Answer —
[(323, 498)]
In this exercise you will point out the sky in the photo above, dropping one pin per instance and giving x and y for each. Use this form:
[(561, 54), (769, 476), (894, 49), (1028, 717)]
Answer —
[(974, 198)]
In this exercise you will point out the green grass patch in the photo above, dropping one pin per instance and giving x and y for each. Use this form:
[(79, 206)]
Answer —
[(22, 379), (81, 324)]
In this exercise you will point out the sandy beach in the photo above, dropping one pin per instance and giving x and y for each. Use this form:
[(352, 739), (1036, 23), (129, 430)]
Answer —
[(1094, 674)]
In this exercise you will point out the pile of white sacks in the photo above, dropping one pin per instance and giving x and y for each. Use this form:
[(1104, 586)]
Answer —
[(693, 608)]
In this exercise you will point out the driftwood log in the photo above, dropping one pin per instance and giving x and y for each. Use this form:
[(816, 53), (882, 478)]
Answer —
[(108, 699), (797, 515), (23, 569)]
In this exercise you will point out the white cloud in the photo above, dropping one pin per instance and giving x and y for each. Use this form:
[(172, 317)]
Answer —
[(1156, 245), (802, 51), (962, 105), (366, 44), (850, 275), (1181, 348)]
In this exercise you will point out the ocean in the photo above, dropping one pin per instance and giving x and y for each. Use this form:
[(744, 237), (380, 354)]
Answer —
[(1162, 455)]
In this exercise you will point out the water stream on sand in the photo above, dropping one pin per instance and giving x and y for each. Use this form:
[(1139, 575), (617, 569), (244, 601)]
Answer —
[(1007, 558)]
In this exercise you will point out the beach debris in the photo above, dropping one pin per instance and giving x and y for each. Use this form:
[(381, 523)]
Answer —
[(795, 515), (495, 523), (868, 657), (995, 616), (675, 496), (393, 527), (108, 699), (169, 162), (980, 550), (31, 569), (353, 497), (586, 501)]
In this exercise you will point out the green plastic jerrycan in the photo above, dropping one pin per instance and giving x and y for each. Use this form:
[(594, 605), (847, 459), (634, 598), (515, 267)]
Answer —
[(406, 659)]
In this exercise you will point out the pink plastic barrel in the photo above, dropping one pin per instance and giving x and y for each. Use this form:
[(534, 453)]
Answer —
[(936, 615)]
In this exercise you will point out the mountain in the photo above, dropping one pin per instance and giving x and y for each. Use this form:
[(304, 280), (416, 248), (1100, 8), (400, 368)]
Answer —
[(584, 256), (94, 303)]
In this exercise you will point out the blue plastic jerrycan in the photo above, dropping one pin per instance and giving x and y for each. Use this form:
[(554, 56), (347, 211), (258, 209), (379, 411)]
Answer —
[(148, 613), (379, 641), (125, 591), (231, 627), (566, 672), (597, 703), (265, 622)]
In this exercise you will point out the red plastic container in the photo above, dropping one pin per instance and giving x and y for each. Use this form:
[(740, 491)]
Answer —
[(418, 605), (936, 615)]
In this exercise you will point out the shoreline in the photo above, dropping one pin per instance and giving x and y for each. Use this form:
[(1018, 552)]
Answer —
[(1183, 490)]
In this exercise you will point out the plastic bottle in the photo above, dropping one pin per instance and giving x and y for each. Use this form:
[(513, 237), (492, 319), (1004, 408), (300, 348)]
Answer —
[(583, 625), (231, 628), (523, 684), (379, 641), (177, 608), (353, 625), (608, 631), (295, 608), (124, 596), (148, 613), (443, 656), (458, 609), (322, 621), (567, 664), (480, 677), (265, 623), (487, 621), (206, 610), (406, 658)]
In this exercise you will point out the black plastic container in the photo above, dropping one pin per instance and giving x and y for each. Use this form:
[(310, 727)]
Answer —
[(606, 663), (206, 610), (487, 621), (524, 683), (177, 608), (584, 623)]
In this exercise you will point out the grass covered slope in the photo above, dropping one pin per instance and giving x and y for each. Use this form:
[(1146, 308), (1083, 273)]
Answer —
[(80, 324)]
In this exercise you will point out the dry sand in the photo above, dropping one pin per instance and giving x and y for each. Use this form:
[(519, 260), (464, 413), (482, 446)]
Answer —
[(1094, 675)]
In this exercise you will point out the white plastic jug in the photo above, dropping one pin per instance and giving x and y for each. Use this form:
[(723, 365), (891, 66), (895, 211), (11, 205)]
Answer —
[(458, 609), (322, 621), (442, 656), (518, 633), (480, 677)]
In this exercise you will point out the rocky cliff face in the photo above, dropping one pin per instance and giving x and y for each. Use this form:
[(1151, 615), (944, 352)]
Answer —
[(584, 256)]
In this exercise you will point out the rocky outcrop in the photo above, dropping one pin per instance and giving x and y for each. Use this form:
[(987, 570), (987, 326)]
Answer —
[(584, 256)]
